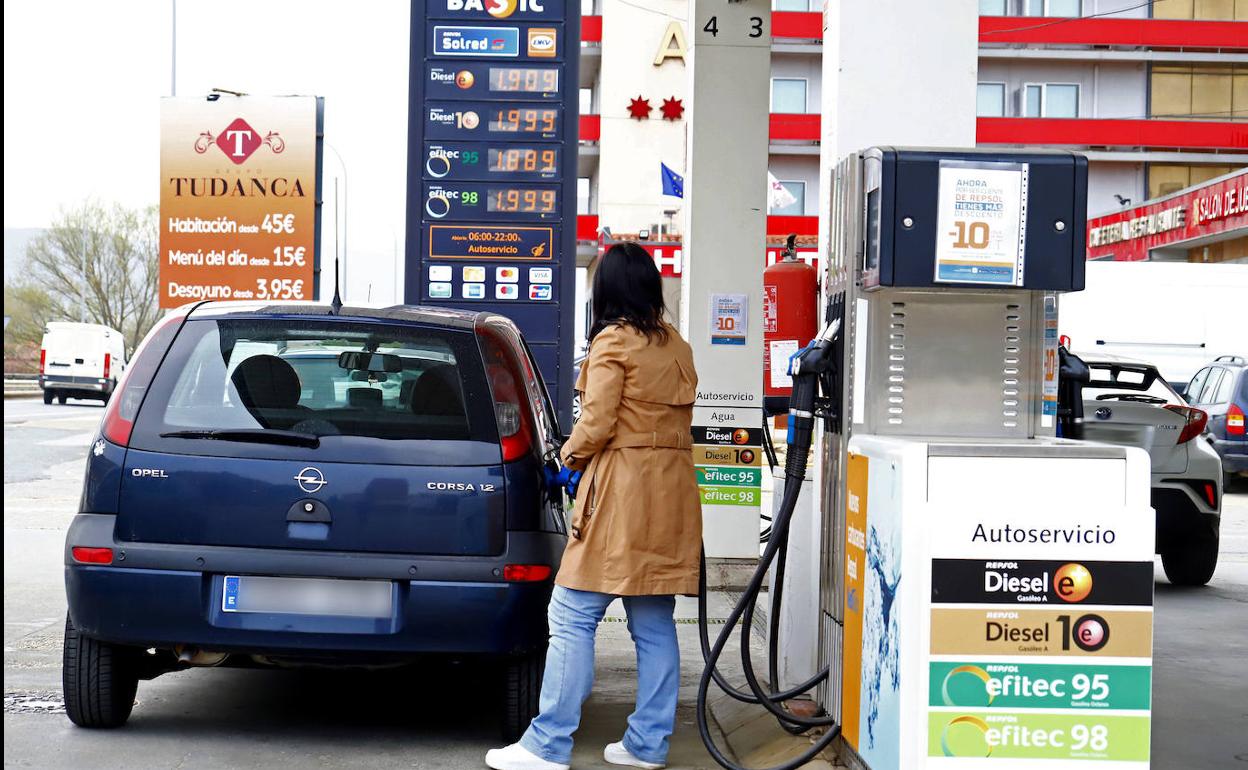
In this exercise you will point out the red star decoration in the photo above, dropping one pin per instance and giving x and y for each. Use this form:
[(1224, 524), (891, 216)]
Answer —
[(672, 109), (639, 108)]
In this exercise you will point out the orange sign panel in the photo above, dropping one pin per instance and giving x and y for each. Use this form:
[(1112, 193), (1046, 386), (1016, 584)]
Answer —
[(238, 179)]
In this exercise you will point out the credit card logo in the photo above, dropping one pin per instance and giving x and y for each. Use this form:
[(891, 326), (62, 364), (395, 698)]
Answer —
[(474, 291), (542, 42), (479, 41), (541, 275), (542, 292), (474, 275), (507, 291), (440, 291), (507, 274), (441, 273)]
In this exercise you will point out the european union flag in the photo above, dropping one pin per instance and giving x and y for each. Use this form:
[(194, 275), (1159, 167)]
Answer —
[(673, 183)]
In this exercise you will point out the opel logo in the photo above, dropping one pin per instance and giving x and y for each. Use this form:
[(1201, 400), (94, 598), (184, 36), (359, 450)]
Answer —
[(311, 479)]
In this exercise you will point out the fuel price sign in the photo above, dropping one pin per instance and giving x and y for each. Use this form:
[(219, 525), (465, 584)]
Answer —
[(511, 162), (496, 120), (492, 202)]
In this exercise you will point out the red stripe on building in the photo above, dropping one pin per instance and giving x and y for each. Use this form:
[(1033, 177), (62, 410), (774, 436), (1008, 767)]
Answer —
[(1185, 134), (590, 128), (587, 227), (807, 25), (1147, 33), (591, 29), (794, 127), (782, 225)]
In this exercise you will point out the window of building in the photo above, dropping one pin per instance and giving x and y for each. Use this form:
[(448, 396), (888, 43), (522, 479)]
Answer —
[(991, 7), (1052, 7), (587, 8), (798, 207), (1205, 10), (1204, 91), (1166, 178), (790, 5), (990, 100), (788, 95), (586, 101), (582, 195), (1050, 100)]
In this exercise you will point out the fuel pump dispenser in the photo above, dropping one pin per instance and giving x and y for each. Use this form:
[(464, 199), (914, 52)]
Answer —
[(986, 583)]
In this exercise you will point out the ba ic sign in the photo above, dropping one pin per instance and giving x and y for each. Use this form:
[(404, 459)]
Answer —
[(499, 9)]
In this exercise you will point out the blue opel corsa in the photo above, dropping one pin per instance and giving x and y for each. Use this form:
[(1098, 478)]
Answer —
[(283, 484)]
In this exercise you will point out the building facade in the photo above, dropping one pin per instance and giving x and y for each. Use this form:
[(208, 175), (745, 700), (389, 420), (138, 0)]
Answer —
[(1155, 94)]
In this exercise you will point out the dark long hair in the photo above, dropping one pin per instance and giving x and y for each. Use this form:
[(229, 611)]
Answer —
[(628, 290)]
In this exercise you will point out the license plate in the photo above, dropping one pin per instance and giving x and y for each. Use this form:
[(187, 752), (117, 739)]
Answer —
[(307, 596)]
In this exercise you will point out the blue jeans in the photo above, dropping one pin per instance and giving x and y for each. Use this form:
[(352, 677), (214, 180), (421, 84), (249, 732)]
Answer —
[(569, 674)]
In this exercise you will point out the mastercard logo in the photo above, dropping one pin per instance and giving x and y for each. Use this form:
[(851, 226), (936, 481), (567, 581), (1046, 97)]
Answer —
[(1072, 582)]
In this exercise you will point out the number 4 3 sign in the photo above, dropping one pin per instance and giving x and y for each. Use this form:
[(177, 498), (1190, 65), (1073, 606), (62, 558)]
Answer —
[(981, 223)]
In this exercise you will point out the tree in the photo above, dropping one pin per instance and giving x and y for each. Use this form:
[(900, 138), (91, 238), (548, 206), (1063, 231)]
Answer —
[(99, 264), (29, 309)]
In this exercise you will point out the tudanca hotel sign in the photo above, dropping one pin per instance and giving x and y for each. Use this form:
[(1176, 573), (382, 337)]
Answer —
[(1217, 208)]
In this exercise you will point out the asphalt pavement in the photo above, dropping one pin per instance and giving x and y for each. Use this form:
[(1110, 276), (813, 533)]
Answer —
[(443, 717)]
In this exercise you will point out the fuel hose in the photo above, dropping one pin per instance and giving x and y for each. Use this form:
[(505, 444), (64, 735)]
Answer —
[(805, 367)]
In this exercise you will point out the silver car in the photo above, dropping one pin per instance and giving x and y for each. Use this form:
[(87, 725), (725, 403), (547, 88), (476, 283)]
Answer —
[(1129, 403)]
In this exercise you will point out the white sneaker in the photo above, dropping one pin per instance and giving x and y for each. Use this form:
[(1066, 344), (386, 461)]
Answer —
[(616, 754), (517, 757)]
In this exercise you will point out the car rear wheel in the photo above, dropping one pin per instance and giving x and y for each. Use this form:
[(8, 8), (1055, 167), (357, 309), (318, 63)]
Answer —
[(1192, 563), (48, 395), (524, 687), (61, 398), (99, 680)]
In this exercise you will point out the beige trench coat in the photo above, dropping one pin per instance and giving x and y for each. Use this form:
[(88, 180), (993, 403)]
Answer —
[(637, 525)]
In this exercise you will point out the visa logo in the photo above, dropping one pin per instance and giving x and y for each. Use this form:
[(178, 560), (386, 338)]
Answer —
[(476, 41)]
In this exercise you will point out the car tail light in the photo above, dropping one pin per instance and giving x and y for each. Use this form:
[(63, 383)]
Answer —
[(1211, 494), (123, 407), (108, 364), (1195, 421), (43, 361), (526, 573), (1234, 421), (84, 555), (508, 386)]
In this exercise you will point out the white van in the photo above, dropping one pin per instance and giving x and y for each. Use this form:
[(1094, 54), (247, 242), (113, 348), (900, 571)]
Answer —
[(80, 361)]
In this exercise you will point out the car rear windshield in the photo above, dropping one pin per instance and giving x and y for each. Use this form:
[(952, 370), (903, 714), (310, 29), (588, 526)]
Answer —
[(332, 380), (1130, 386)]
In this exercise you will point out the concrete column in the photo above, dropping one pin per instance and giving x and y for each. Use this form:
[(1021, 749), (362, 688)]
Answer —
[(725, 228)]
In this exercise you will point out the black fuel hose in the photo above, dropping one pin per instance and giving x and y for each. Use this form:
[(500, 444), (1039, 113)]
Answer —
[(800, 434)]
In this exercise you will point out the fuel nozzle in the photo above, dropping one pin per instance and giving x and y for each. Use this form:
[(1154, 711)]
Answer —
[(808, 367)]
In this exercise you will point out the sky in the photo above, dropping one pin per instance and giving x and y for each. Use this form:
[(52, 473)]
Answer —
[(83, 80)]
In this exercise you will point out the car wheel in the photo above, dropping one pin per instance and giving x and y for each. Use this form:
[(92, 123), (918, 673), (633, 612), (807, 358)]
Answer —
[(99, 680), (48, 395), (61, 398), (524, 686), (1192, 563)]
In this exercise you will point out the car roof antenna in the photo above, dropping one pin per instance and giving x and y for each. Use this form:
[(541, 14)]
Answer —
[(335, 305)]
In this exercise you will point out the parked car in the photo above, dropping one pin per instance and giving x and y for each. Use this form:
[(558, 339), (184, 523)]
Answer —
[(1129, 403), (1221, 390), (285, 485), (80, 361)]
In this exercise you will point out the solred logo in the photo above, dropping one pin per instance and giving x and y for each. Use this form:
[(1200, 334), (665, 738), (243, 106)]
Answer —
[(238, 141)]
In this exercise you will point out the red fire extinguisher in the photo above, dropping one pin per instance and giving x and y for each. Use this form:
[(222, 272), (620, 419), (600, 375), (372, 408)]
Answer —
[(790, 316)]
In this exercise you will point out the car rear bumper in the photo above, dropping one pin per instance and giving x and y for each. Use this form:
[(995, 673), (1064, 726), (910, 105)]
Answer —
[(66, 382), (1182, 516), (157, 595), (1234, 455)]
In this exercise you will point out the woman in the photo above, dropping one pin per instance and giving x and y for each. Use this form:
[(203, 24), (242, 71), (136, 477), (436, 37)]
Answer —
[(636, 531)]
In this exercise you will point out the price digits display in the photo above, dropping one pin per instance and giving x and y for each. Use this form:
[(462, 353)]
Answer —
[(524, 159), (531, 80), (526, 120)]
